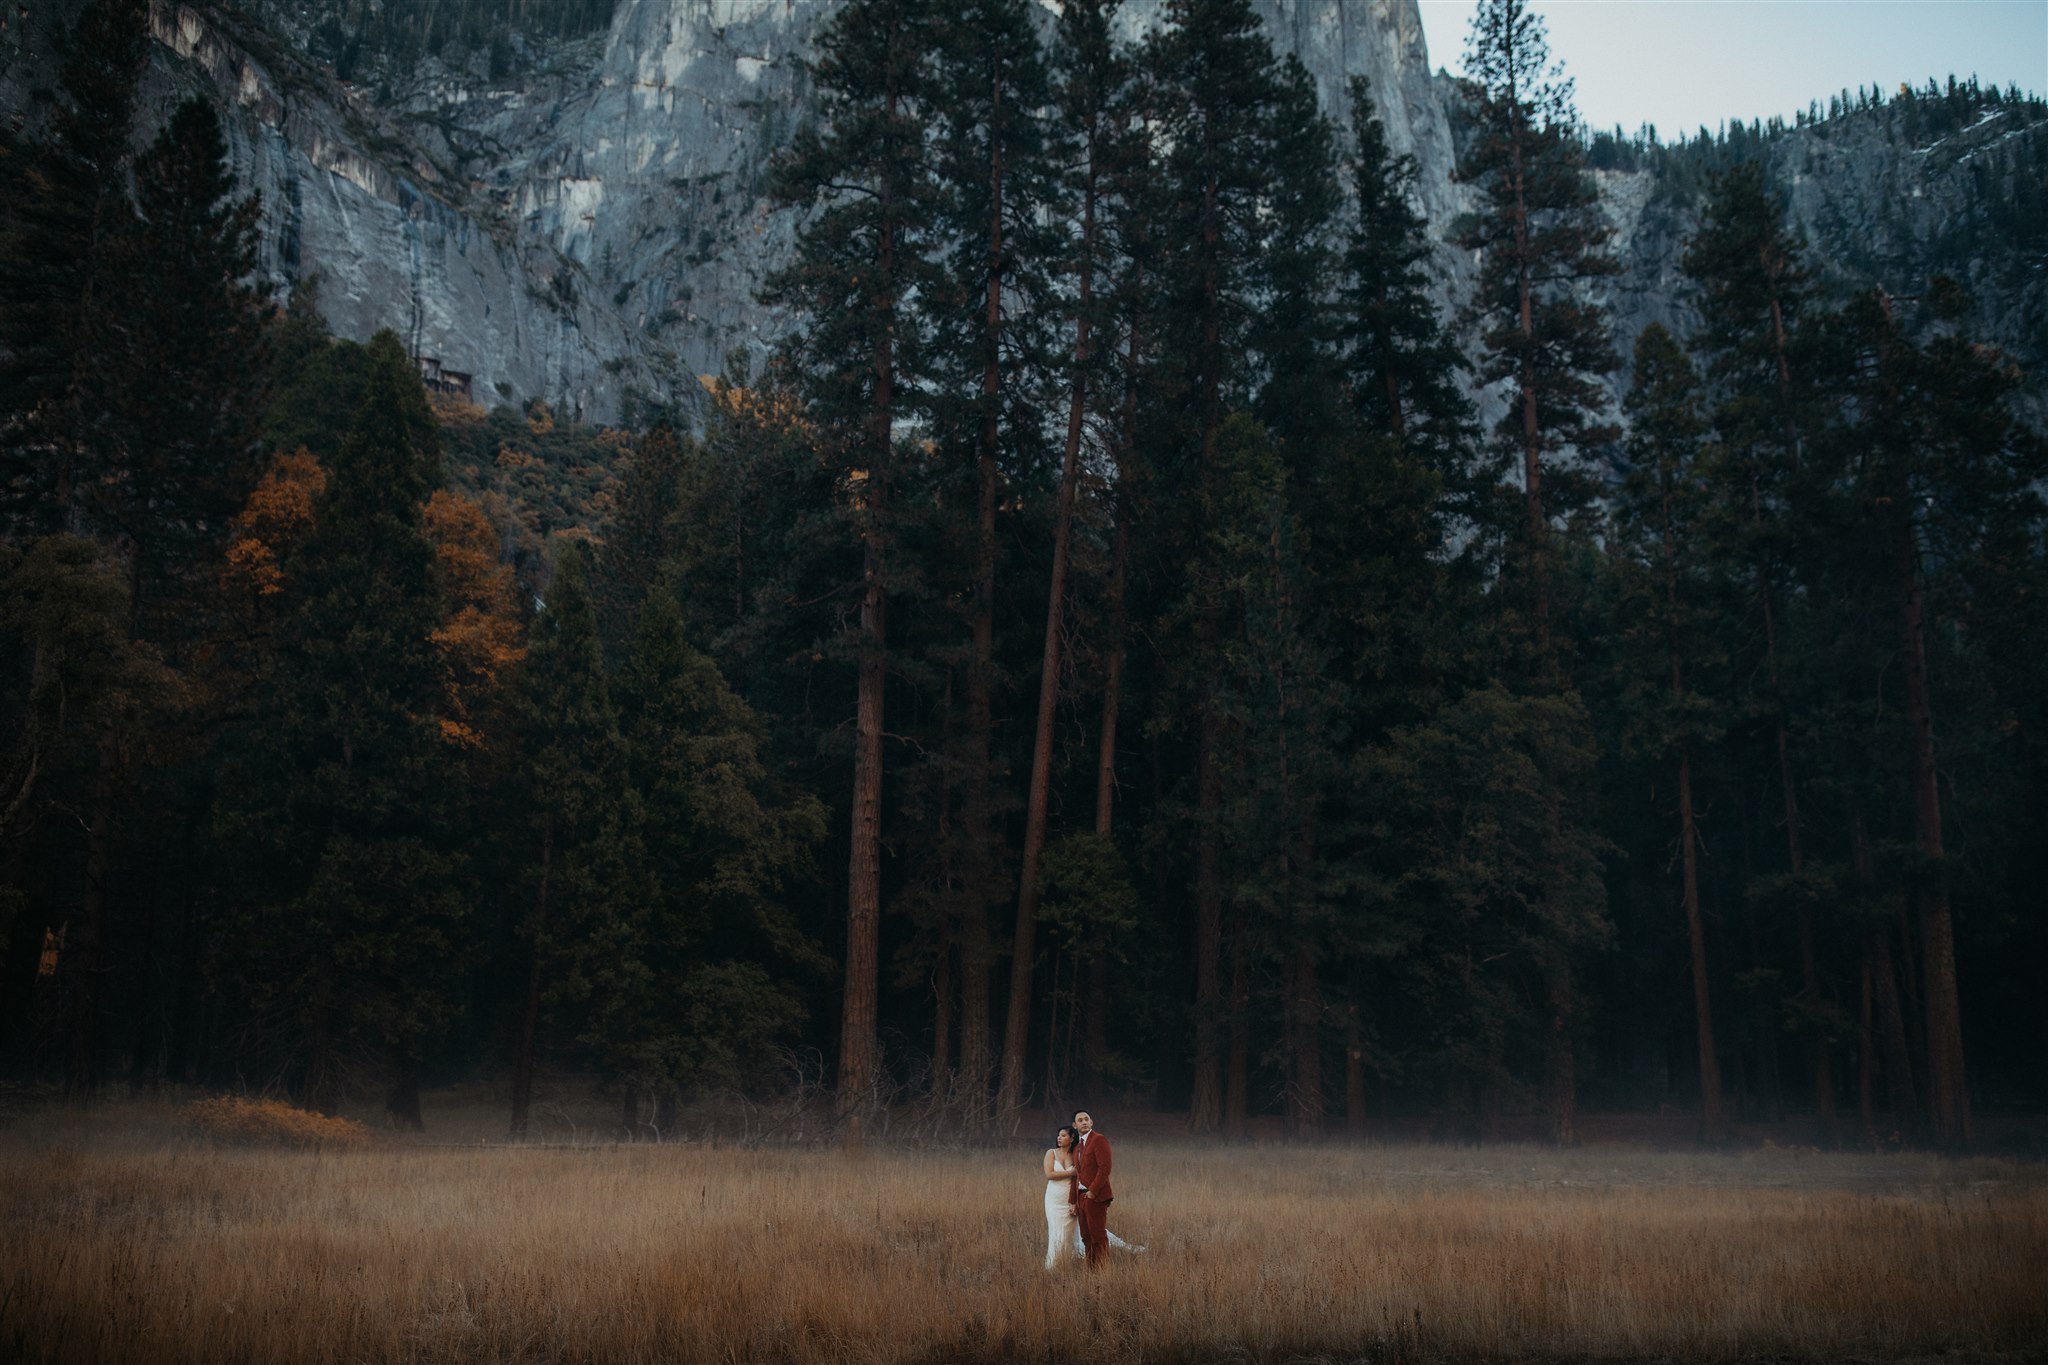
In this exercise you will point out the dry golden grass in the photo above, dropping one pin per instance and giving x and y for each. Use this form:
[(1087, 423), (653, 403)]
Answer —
[(116, 1245)]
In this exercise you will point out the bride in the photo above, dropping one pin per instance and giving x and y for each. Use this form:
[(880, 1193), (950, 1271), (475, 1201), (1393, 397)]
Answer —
[(1062, 1226)]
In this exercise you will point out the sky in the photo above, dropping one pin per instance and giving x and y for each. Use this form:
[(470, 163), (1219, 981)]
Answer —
[(1681, 64)]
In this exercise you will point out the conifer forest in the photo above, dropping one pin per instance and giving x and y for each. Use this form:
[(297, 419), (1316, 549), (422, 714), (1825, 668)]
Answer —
[(1160, 623)]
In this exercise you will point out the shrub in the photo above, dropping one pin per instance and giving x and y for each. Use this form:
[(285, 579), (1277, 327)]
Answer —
[(269, 1123)]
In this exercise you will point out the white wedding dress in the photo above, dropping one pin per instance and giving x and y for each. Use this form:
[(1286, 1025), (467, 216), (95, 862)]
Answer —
[(1062, 1225)]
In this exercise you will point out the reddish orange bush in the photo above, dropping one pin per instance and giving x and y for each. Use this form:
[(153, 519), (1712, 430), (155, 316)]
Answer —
[(269, 1123)]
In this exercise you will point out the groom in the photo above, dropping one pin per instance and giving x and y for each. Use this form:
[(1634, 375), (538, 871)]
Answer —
[(1090, 1193)]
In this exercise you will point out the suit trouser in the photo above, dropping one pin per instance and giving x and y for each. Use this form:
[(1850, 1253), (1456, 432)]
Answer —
[(1094, 1218)]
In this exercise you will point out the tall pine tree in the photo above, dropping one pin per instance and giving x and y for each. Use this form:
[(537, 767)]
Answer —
[(1540, 242), (350, 811), (1657, 518), (1746, 264), (1215, 103), (864, 255)]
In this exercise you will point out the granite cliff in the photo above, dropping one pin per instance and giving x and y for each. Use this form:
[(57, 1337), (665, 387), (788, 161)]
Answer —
[(581, 218)]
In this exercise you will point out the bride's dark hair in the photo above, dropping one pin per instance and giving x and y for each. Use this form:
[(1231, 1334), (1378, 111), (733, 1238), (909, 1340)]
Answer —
[(1070, 1131)]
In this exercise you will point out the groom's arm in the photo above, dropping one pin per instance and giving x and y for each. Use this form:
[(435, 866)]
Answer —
[(1098, 1177)]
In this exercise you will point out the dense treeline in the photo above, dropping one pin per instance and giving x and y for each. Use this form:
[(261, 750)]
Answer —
[(360, 39), (1922, 117), (1124, 641)]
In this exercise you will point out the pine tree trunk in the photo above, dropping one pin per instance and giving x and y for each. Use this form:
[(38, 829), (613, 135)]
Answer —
[(1560, 1063), (1237, 1070), (975, 1049), (942, 1012), (1809, 965), (1095, 1024), (1307, 1043), (1113, 678), (1210, 1100), (1206, 1110), (1902, 1096), (86, 946), (856, 1077), (666, 1110), (1866, 1056), (529, 1015), (1809, 960), (1770, 1092), (1538, 523), (1713, 1123), (1892, 1047), (1308, 994), (982, 857), (1354, 1071), (1560, 1079), (1119, 575), (1019, 1016), (184, 996), (1949, 1100), (145, 1057), (402, 1104), (523, 1059), (864, 863)]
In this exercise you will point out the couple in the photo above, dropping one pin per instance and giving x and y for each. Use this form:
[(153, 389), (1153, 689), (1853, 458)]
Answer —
[(1078, 1195)]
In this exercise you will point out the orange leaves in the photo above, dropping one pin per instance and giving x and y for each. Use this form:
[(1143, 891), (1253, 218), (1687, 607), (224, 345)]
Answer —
[(466, 546), (277, 517), (480, 641)]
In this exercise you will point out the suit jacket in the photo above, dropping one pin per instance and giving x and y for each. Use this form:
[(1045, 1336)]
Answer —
[(1091, 1168)]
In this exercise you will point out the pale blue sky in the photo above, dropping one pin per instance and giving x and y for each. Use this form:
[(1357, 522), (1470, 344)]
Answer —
[(1683, 63)]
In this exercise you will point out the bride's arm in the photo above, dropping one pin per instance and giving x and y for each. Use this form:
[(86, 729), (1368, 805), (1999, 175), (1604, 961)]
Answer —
[(1050, 1173)]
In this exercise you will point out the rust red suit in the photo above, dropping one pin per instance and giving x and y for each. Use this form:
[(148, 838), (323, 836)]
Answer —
[(1091, 1171)]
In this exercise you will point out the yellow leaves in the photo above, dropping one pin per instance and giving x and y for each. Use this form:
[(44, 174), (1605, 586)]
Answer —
[(513, 460), (773, 408), (540, 419), (276, 519), (453, 410)]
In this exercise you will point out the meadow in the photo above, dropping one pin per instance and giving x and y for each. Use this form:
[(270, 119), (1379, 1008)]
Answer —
[(129, 1241)]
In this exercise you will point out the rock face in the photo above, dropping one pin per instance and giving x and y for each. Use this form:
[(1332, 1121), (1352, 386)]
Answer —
[(1873, 209), (592, 230)]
